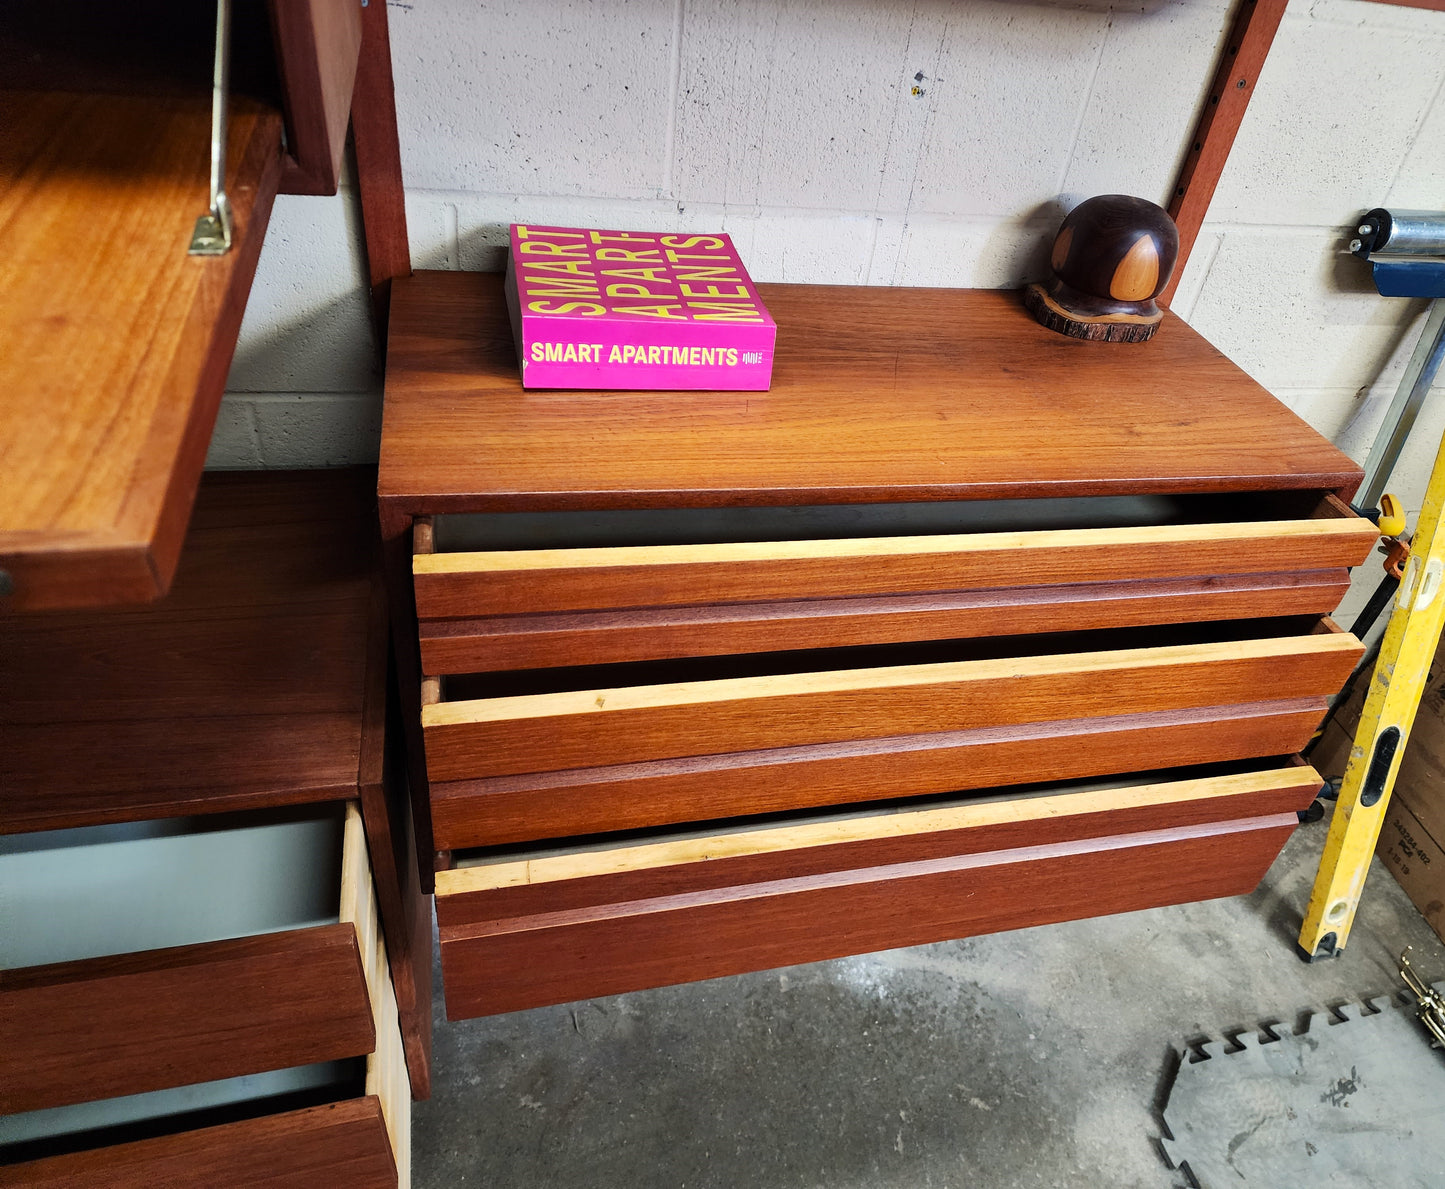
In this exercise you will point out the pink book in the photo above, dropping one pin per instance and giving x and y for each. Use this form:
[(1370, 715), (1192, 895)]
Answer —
[(635, 309)]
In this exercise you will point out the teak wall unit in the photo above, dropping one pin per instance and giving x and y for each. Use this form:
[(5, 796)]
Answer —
[(962, 626), (260, 684)]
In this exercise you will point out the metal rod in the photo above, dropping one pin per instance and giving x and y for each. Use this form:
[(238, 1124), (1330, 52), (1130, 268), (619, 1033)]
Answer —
[(1409, 397), (220, 85), (212, 235)]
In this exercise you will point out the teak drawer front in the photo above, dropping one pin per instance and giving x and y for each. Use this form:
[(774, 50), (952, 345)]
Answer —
[(514, 582), (499, 642), (589, 728), (342, 1143), (562, 927), (507, 810), (103, 1027)]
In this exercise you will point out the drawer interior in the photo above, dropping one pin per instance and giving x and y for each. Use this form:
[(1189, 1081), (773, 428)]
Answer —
[(140, 926), (562, 679), (85, 893), (465, 532), (83, 1126)]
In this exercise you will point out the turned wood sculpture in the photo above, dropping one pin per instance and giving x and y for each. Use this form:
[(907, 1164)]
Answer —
[(1112, 256)]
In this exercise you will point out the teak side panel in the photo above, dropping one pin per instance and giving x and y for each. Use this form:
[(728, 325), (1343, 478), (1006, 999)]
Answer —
[(605, 637), (516, 809), (527, 886), (344, 1143), (117, 343), (502, 736), (378, 163), (318, 43), (560, 957), (528, 581), (79, 1031), (879, 394)]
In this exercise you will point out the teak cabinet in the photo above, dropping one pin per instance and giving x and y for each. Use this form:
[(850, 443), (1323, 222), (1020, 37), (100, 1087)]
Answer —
[(963, 626), (215, 956)]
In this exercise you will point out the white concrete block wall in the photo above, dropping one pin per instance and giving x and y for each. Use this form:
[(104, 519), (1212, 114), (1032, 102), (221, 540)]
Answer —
[(1348, 114), (876, 142)]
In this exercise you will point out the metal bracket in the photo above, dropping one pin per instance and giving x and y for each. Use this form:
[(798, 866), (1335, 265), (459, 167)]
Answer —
[(212, 235), (1430, 1003)]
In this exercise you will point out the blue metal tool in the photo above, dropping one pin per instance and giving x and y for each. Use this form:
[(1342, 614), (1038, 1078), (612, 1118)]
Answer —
[(1406, 251)]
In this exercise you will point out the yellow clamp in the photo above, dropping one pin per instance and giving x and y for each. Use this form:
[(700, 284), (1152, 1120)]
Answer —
[(1392, 517)]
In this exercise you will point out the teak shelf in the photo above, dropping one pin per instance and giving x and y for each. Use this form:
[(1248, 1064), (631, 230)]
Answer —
[(878, 394), (948, 574)]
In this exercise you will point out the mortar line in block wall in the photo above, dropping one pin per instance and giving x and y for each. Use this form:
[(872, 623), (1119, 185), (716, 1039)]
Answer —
[(515, 205), (1216, 246), (1435, 100), (888, 148), (674, 97), (453, 236), (1087, 99)]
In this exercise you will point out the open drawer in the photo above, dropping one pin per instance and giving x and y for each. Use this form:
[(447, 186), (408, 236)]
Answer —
[(536, 590), (624, 748), (525, 929), (198, 1002)]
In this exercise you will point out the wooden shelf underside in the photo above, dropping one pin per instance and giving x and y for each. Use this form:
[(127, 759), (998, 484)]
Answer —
[(250, 685)]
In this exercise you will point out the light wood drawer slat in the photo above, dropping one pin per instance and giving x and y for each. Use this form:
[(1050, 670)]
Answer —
[(515, 809), (565, 880), (387, 1079), (452, 585), (503, 642), (343, 1143), (589, 728), (78, 1031)]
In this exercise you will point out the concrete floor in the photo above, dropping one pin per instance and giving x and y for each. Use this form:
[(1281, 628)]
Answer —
[(1033, 1058)]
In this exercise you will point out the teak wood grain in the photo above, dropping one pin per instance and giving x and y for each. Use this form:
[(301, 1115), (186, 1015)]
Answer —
[(116, 342), (102, 1027), (507, 810), (506, 642), (588, 728), (555, 882), (878, 394), (245, 688), (259, 681), (317, 46), (530, 961), (378, 164), (343, 1143), (516, 581)]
